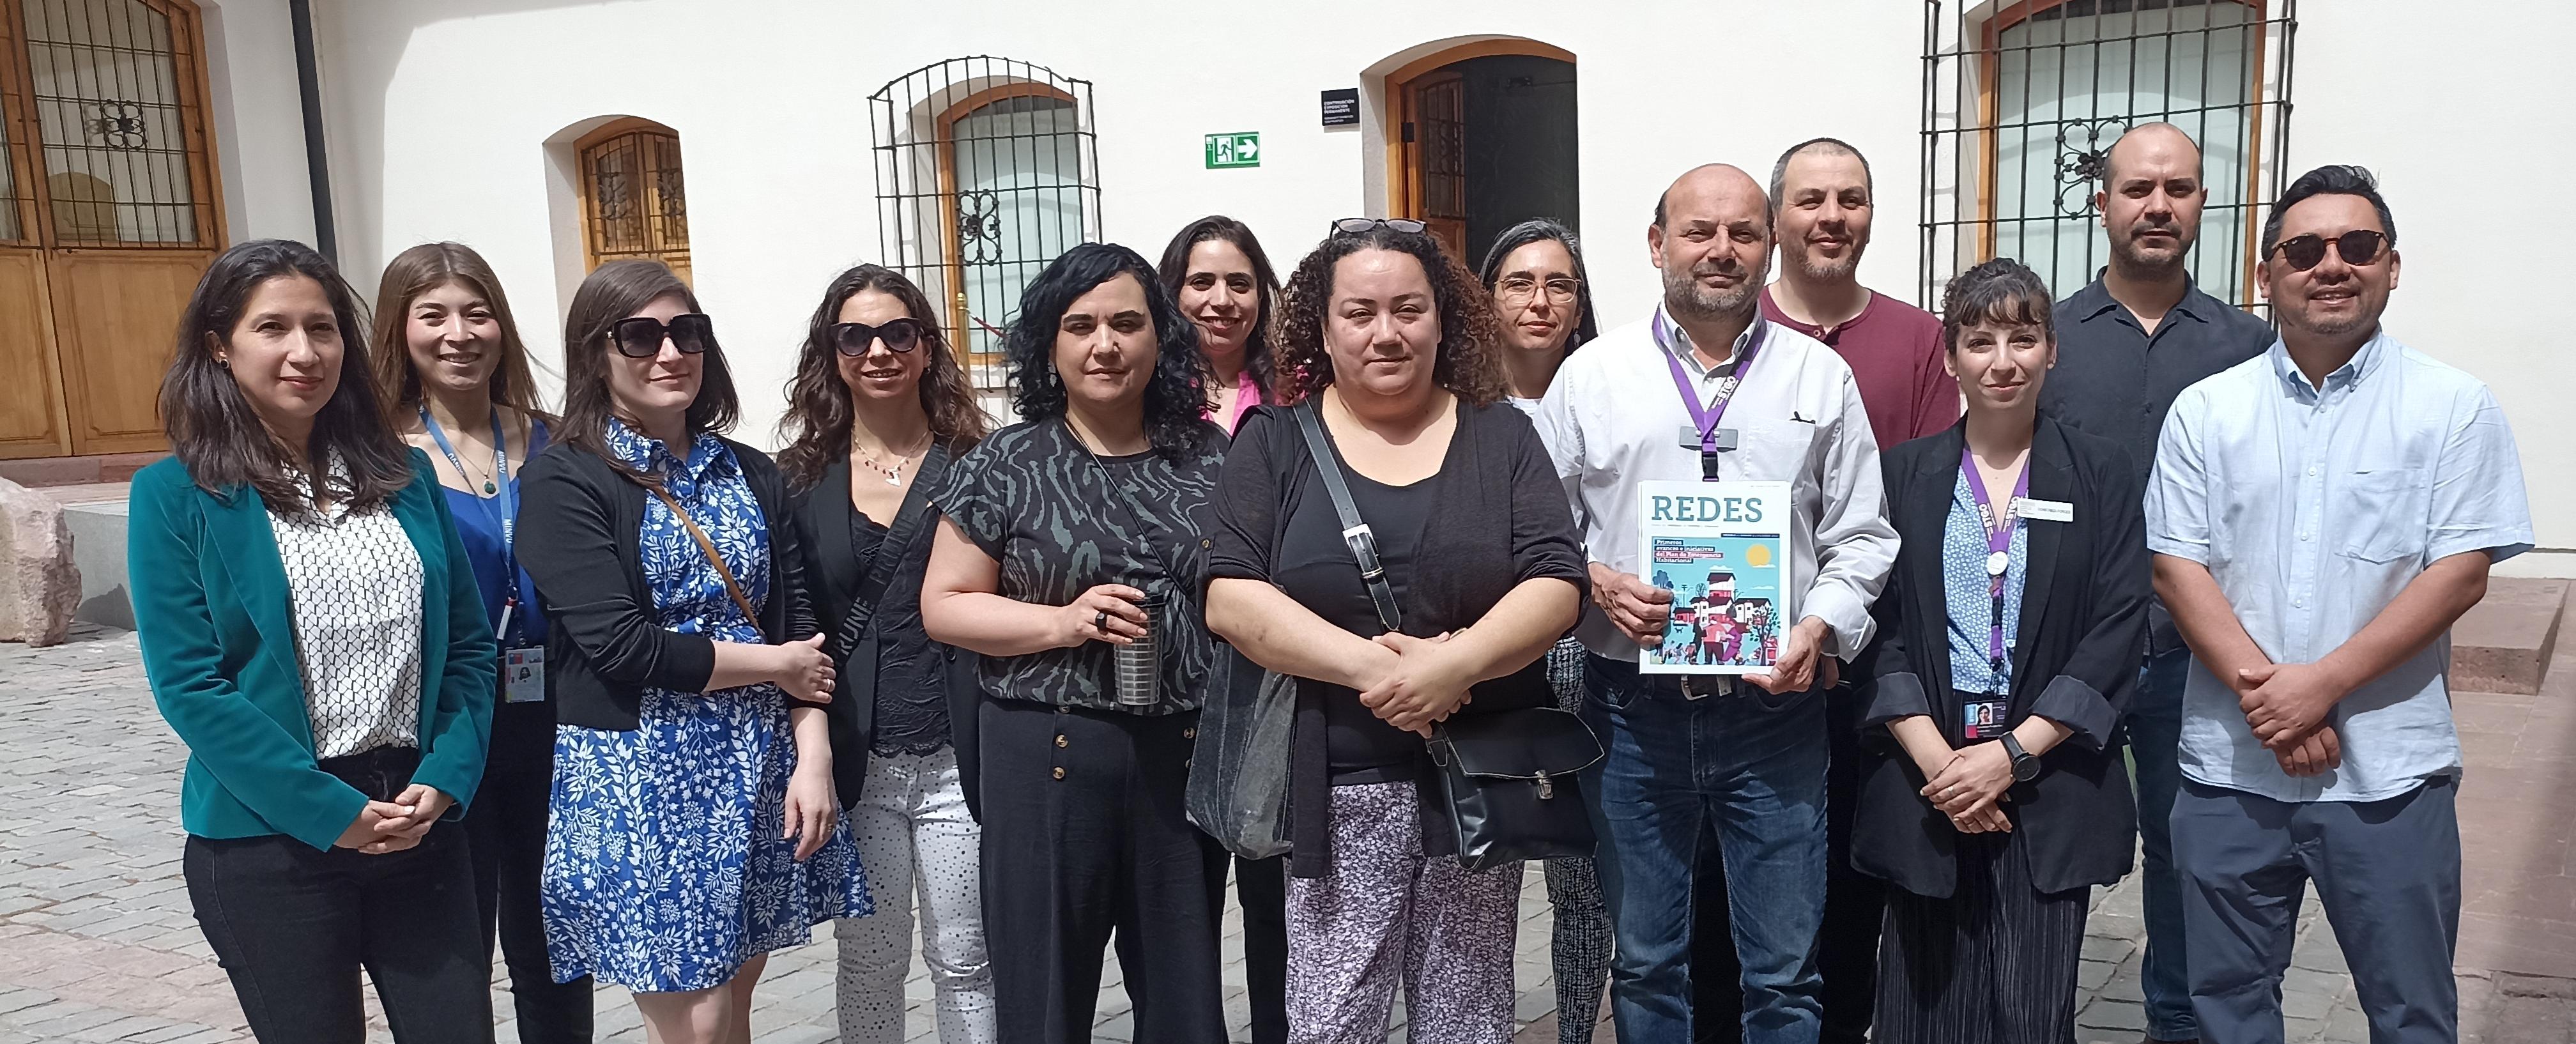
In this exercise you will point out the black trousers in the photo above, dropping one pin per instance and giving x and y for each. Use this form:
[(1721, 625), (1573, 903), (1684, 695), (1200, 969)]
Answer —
[(1085, 842), (292, 926), (1261, 887), (1993, 964), (1846, 945), (507, 832)]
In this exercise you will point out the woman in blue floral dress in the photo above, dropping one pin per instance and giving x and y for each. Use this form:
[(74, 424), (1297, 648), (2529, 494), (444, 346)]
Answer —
[(694, 825)]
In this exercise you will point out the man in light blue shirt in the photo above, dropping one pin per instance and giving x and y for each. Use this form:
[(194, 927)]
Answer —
[(2320, 515)]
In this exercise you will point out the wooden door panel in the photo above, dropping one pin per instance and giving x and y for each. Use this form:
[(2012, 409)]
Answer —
[(31, 414), (115, 315)]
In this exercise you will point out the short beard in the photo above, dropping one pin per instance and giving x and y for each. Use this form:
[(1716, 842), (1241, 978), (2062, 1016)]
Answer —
[(1684, 298), (1828, 270), (2125, 252), (2360, 321)]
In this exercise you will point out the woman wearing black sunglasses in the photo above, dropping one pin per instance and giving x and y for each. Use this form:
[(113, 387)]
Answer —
[(694, 827), (878, 408)]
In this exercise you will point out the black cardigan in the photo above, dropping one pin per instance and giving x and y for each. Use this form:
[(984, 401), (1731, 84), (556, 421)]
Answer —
[(1499, 516), (578, 537), (824, 513), (2082, 635)]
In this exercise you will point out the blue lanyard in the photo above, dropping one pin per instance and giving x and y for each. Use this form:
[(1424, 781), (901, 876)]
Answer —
[(502, 507)]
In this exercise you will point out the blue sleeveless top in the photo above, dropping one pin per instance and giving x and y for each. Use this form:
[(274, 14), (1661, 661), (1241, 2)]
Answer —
[(478, 526)]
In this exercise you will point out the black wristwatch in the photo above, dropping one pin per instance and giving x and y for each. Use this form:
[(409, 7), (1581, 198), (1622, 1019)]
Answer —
[(2024, 763)]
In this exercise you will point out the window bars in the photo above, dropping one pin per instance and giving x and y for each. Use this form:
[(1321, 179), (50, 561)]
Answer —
[(638, 203), (987, 168), (109, 99), (2023, 99)]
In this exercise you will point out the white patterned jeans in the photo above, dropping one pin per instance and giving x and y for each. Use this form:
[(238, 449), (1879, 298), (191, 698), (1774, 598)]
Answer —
[(916, 839)]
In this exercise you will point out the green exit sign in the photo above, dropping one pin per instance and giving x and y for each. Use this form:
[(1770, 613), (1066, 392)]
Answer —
[(1241, 149)]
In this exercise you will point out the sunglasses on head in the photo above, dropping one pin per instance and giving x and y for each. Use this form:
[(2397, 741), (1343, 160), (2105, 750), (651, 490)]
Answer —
[(2357, 247), (1361, 225), (854, 339), (641, 337)]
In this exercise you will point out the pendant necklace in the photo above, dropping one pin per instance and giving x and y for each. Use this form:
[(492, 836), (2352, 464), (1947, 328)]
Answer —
[(893, 473)]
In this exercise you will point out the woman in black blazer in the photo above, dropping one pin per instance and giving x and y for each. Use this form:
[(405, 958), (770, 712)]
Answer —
[(1995, 795), (877, 411)]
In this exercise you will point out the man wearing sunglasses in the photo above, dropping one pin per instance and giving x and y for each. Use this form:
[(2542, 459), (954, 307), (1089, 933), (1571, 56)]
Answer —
[(2129, 342), (2320, 515)]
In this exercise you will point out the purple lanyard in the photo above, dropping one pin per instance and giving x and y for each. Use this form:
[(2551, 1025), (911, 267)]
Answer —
[(1999, 536), (1703, 418)]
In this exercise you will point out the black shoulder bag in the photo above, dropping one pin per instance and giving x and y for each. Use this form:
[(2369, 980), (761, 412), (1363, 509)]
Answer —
[(1508, 777)]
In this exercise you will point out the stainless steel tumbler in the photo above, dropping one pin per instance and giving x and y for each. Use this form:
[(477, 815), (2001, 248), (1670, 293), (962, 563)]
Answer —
[(1137, 670)]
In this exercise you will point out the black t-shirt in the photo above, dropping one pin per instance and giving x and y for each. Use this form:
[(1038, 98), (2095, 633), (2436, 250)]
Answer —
[(1032, 498), (1316, 568), (911, 707)]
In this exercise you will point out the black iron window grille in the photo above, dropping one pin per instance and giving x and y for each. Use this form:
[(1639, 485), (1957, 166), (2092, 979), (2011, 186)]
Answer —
[(2022, 101), (636, 202), (109, 104), (987, 168)]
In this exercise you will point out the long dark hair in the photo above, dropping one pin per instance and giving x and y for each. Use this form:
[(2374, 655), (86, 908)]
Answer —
[(615, 291), (1175, 395), (420, 270), (1539, 230), (1175, 270), (817, 424), (213, 429), (1468, 361)]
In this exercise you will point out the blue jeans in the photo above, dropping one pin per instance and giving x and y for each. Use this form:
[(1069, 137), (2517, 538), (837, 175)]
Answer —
[(1674, 767), (2155, 731)]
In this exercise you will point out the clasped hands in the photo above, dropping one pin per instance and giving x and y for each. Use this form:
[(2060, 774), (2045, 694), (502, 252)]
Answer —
[(392, 826), (1423, 683), (1969, 787), (2286, 705)]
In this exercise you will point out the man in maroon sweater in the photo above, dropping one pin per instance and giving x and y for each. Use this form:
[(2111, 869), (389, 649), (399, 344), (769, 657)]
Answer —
[(1821, 210)]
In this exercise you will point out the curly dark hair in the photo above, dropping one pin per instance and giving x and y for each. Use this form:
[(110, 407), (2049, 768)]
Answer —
[(1175, 269), (1467, 363), (817, 424), (1175, 396)]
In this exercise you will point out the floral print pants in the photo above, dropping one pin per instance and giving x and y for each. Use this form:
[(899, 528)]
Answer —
[(1386, 914)]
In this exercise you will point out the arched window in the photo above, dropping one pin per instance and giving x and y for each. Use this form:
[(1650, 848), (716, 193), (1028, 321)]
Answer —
[(108, 215), (986, 170), (632, 201), (2021, 114)]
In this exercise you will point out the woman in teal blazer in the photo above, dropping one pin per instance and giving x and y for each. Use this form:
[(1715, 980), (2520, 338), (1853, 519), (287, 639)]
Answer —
[(320, 645)]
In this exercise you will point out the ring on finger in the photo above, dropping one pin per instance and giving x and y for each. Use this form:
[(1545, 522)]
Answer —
[(1100, 622)]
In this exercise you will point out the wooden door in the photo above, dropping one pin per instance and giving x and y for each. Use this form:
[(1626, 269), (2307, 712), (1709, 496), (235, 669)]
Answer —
[(1435, 114), (111, 183)]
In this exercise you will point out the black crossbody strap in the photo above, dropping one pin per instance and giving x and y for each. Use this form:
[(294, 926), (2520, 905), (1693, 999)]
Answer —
[(1355, 532), (909, 521), (1128, 502)]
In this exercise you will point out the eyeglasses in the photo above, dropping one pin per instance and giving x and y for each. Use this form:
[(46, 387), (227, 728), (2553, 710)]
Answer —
[(641, 336), (2357, 247), (1362, 226), (855, 339), (1517, 291)]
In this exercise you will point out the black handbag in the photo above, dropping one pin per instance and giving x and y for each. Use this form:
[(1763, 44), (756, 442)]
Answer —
[(1508, 777)]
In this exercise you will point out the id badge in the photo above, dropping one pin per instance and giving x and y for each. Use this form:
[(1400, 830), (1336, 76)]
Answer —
[(523, 675), (1722, 438), (1985, 718)]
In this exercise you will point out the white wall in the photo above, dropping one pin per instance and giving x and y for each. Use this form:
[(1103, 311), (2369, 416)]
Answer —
[(439, 113), (257, 120)]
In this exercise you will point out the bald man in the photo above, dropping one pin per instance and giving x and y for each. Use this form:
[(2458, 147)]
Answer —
[(1744, 758), (2128, 344)]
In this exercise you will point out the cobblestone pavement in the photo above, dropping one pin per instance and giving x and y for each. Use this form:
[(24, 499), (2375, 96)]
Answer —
[(97, 943)]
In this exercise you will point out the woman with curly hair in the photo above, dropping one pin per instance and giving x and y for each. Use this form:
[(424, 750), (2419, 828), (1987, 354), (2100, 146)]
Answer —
[(1073, 544), (877, 410), (1392, 346)]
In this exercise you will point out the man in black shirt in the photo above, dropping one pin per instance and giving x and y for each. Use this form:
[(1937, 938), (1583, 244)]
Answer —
[(2128, 343)]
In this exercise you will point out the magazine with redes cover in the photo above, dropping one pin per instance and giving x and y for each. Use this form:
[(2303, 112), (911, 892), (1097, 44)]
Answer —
[(1721, 548)]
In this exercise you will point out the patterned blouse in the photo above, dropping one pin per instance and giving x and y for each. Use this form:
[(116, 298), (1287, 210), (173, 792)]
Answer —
[(1971, 599), (354, 583), (687, 590), (1032, 498)]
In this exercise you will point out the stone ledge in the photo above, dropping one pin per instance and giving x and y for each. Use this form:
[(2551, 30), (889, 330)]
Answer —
[(2503, 644)]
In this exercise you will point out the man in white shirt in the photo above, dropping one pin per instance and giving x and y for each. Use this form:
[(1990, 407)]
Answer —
[(1748, 758), (2320, 515)]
